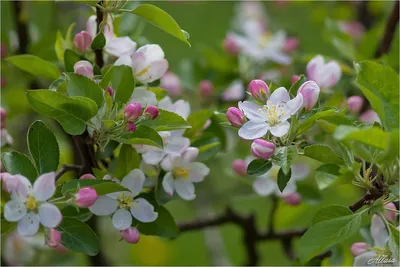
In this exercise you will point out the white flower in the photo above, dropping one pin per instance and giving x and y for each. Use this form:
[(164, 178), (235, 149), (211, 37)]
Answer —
[(266, 184), (29, 207), (271, 117), (180, 107), (234, 92), (21, 250), (144, 97), (182, 173), (326, 75), (124, 205), (5, 138)]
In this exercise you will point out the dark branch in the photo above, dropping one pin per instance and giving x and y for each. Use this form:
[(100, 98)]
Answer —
[(364, 16), (22, 28), (390, 30), (66, 168), (99, 52)]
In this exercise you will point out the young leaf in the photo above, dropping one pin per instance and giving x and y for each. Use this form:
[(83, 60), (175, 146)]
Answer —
[(197, 120), (284, 157), (164, 226), (326, 175), (162, 20), (208, 146), (330, 212), (120, 78), (293, 89), (167, 121), (70, 58), (160, 195), (283, 179), (72, 212), (78, 236), (373, 136), (258, 167), (142, 136), (35, 66), (71, 112), (78, 85), (128, 160), (323, 153), (18, 163), (394, 239), (309, 122), (102, 187), (43, 147), (98, 42)]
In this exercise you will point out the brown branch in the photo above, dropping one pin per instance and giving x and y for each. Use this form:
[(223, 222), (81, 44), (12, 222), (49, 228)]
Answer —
[(99, 52), (390, 30), (364, 16), (21, 27), (365, 200), (66, 168)]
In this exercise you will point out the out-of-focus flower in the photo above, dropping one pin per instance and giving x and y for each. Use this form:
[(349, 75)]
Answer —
[(87, 176), (326, 75), (353, 28), (262, 149), (130, 127), (53, 238), (295, 78), (29, 207), (110, 91), (86, 197), (5, 138), (206, 88), (171, 82), (259, 90), (310, 91), (131, 235), (390, 214), (133, 111), (355, 103), (84, 68), (370, 117), (359, 248), (3, 116), (292, 199), (230, 45), (82, 41), (21, 250), (235, 116), (271, 117), (180, 107), (239, 166), (151, 112), (234, 92), (291, 44)]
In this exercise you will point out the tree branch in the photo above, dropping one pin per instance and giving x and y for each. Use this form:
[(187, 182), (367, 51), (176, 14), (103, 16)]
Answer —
[(21, 27), (68, 167), (99, 52), (390, 29)]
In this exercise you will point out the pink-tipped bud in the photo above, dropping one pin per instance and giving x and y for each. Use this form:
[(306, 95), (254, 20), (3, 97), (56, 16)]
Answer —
[(292, 199), (82, 41), (262, 149), (355, 103), (235, 116), (133, 111), (151, 112), (369, 117), (239, 166), (231, 46), (359, 248), (86, 197), (390, 215), (3, 115), (110, 91), (291, 44), (87, 176), (131, 235), (171, 82), (53, 238), (3, 50), (130, 127), (84, 68), (310, 91), (259, 90), (295, 78), (206, 88)]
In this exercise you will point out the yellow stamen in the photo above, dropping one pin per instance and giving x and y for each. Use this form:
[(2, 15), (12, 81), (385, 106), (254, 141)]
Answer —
[(143, 72), (181, 173), (31, 203), (125, 201)]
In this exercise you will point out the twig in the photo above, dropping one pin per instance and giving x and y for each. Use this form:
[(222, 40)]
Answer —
[(66, 168), (361, 202), (22, 28), (99, 20), (390, 29), (364, 16)]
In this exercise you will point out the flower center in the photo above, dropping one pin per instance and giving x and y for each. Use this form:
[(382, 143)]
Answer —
[(31, 203), (124, 200), (263, 40), (273, 114), (143, 72), (181, 173)]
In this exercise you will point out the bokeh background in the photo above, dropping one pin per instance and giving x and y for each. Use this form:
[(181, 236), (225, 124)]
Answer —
[(207, 23)]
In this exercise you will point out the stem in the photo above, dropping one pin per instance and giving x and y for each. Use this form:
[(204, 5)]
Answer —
[(99, 20), (66, 168), (22, 28), (390, 30)]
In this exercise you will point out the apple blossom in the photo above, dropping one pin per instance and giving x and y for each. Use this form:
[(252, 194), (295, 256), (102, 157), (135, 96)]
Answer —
[(29, 207), (359, 248), (230, 45), (235, 116), (123, 205), (292, 199), (262, 149), (291, 44), (133, 111), (206, 88), (355, 103), (271, 117), (239, 166), (82, 41), (390, 214), (84, 68), (326, 75), (234, 92), (53, 238), (5, 138), (151, 112), (85, 197), (171, 82), (110, 91), (20, 250), (180, 107), (130, 126), (144, 97), (131, 235), (370, 117), (87, 176), (295, 78), (259, 90), (310, 92), (353, 28)]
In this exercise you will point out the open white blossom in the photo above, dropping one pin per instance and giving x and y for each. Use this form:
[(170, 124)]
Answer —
[(180, 107), (271, 117)]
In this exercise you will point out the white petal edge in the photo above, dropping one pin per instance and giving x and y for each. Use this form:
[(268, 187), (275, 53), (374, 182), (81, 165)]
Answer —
[(168, 183), (122, 219)]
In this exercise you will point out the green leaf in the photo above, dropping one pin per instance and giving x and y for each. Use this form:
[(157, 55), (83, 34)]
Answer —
[(59, 46), (283, 178), (6, 226), (380, 84), (208, 146), (164, 226), (142, 136), (392, 152), (258, 167), (71, 112), (197, 120), (159, 92), (167, 121), (70, 58), (326, 175), (293, 89), (102, 187), (98, 42), (78, 85), (330, 212), (72, 212), (35, 66), (18, 163), (120, 78), (323, 153), (327, 233), (161, 196), (309, 122), (373, 136), (128, 160), (284, 157), (394, 239), (43, 147), (162, 20), (78, 237)]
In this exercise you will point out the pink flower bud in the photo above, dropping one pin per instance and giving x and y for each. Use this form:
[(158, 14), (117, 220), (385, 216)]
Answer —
[(131, 235), (259, 90), (262, 149), (295, 78), (133, 111), (3, 50), (206, 88), (3, 115), (310, 91), (389, 214), (87, 176), (151, 112), (171, 82), (369, 117), (53, 238), (355, 103), (230, 45), (86, 197), (130, 127), (292, 199), (110, 91), (359, 248), (239, 166), (353, 28), (235, 116), (84, 68), (291, 44), (326, 75), (82, 41)]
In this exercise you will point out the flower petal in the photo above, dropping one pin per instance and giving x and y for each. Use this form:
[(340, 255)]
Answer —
[(264, 186), (134, 181), (120, 46), (14, 210), (281, 129), (153, 72), (176, 144), (143, 211), (153, 156), (45, 186), (294, 105), (278, 96), (190, 154), (185, 189), (104, 205), (312, 67), (234, 92), (198, 171), (168, 183), (300, 171), (379, 232), (124, 61), (144, 97), (50, 215), (24, 187), (365, 259), (122, 219), (251, 111), (253, 130), (329, 74), (182, 108), (28, 225)]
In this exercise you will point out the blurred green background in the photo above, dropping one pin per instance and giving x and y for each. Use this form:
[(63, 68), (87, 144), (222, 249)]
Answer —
[(207, 23)]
